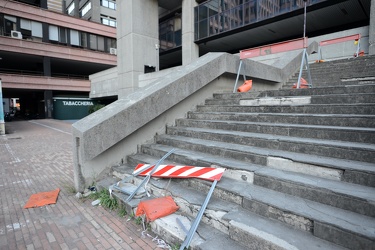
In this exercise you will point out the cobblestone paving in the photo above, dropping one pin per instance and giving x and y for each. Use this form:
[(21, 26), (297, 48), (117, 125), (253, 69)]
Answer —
[(36, 156)]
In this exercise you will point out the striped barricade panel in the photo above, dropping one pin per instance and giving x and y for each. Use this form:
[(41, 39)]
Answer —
[(179, 171)]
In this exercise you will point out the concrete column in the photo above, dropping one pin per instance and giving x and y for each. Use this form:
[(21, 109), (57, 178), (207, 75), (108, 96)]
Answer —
[(190, 50), (137, 38), (48, 103), (372, 29), (46, 66), (2, 123)]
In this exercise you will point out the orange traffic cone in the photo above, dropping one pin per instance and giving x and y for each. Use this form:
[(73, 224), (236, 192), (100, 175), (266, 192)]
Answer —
[(246, 86)]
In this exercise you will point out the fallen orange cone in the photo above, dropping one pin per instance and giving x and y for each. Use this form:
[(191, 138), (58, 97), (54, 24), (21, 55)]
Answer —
[(303, 84), (246, 86), (157, 208)]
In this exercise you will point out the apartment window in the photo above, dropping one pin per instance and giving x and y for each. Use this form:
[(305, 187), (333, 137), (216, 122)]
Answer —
[(85, 9), (100, 43), (110, 21), (31, 28), (71, 9), (75, 38), (10, 24), (93, 42), (57, 34), (110, 43), (84, 39), (109, 4)]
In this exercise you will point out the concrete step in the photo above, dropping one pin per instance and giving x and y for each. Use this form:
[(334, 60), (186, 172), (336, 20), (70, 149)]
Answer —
[(328, 148), (351, 197), (244, 201), (292, 118), (324, 167), (352, 134), (367, 109), (327, 90), (296, 100)]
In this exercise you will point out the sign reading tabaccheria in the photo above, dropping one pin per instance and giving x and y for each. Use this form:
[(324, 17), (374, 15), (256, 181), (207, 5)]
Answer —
[(78, 103)]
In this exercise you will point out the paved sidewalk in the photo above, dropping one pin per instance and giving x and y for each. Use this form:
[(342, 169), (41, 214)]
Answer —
[(36, 156)]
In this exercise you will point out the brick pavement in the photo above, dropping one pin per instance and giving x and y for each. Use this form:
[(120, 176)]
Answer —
[(36, 156)]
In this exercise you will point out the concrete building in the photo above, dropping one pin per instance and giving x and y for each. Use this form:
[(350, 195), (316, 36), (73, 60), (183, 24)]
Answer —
[(47, 54), (103, 11), (164, 34)]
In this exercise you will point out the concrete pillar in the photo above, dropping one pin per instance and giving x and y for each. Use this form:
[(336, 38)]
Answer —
[(137, 41), (190, 50), (372, 29), (46, 66), (2, 123), (48, 104)]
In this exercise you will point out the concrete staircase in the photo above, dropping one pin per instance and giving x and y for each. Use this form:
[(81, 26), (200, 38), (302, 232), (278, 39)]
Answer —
[(300, 165)]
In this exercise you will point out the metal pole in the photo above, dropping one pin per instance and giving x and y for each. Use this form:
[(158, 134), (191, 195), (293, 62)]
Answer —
[(2, 123), (194, 227), (238, 75), (304, 21), (304, 50), (148, 176), (157, 46)]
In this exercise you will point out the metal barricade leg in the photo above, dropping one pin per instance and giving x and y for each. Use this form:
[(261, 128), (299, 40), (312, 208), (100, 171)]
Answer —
[(194, 227)]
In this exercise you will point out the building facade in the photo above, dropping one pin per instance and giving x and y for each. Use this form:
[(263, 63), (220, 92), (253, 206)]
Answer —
[(46, 54), (158, 34)]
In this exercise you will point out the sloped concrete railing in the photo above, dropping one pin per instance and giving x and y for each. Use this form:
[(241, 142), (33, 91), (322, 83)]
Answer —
[(104, 138)]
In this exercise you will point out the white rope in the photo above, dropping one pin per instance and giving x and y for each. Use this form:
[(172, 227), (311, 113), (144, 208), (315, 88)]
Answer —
[(159, 242)]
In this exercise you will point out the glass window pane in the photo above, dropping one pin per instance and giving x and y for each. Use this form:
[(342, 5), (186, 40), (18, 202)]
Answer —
[(36, 29), (93, 42), (74, 37), (84, 39), (25, 24), (100, 43), (62, 35), (203, 29), (203, 12), (53, 33)]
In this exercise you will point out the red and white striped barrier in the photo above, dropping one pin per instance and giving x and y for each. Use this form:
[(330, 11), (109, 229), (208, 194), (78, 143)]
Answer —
[(175, 171)]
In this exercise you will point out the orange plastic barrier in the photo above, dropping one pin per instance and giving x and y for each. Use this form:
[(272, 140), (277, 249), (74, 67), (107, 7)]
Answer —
[(246, 86), (157, 208), (42, 199), (303, 85)]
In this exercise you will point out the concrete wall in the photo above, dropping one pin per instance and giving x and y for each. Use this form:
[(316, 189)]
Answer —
[(104, 83), (104, 138)]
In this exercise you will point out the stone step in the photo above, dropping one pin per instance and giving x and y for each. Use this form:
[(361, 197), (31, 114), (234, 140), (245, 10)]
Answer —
[(292, 118), (359, 69), (353, 134), (348, 196), (343, 225), (367, 109), (328, 148), (329, 168), (296, 100), (327, 90), (206, 237)]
